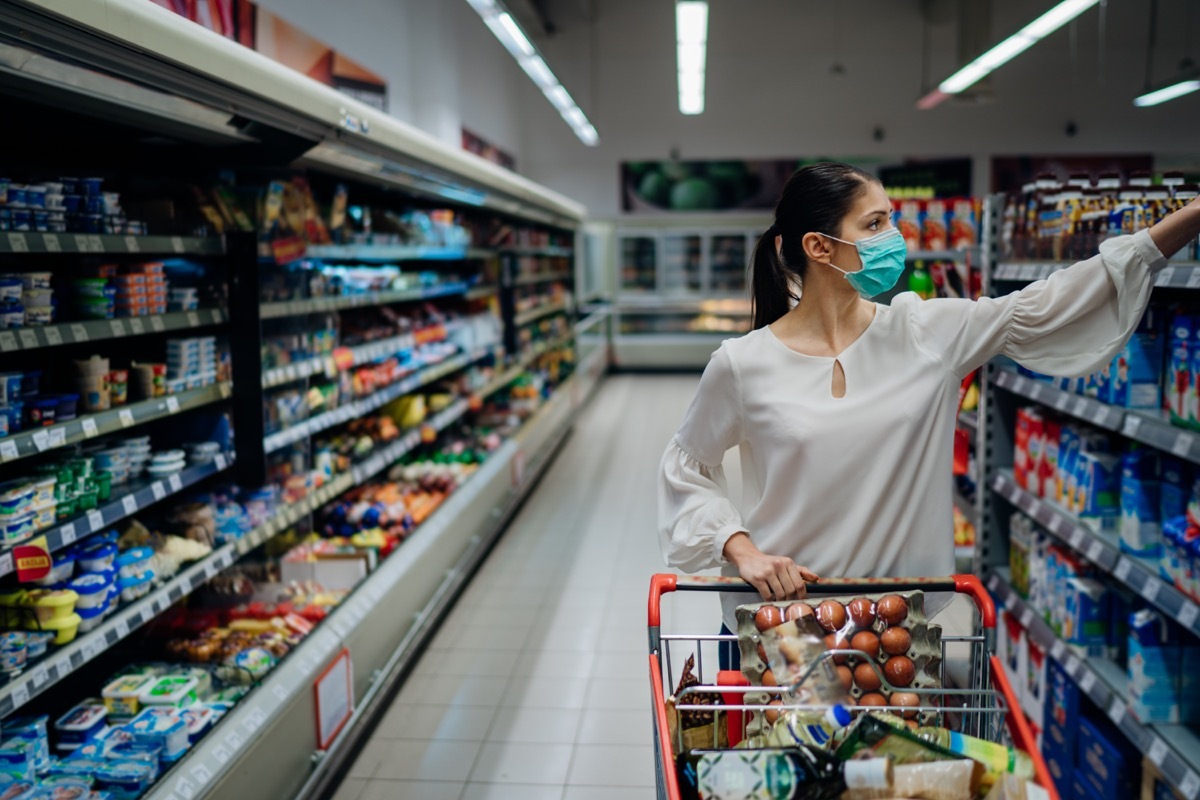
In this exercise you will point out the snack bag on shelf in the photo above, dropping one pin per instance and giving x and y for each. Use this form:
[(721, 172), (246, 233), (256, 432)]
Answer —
[(934, 235), (910, 221), (964, 225)]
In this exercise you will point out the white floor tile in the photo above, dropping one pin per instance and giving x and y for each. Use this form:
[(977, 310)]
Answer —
[(625, 639), (351, 789), (628, 694), (582, 639), (609, 793), (465, 664), (452, 690), (621, 727), (546, 693), (369, 759), (622, 665), (523, 763), (608, 765), (406, 760), (553, 664), (535, 725), (414, 790), (488, 637), (511, 791), (436, 722)]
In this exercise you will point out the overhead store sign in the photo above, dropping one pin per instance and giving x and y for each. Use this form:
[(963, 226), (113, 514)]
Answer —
[(261, 30)]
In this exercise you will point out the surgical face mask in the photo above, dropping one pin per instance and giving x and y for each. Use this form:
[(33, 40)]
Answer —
[(882, 262)]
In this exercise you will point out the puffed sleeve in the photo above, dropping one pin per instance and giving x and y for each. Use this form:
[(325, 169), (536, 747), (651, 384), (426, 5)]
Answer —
[(1070, 324), (695, 514)]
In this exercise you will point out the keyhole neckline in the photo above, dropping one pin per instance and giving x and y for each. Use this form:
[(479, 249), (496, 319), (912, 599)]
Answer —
[(845, 350)]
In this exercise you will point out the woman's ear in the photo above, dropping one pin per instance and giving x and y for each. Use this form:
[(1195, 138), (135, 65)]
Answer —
[(779, 247), (817, 247)]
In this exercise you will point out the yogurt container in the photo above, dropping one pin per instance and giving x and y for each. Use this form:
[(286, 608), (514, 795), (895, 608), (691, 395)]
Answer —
[(11, 387), (134, 562), (157, 725), (122, 697), (11, 289), (43, 489), (92, 618), (18, 759), (163, 470), (12, 315), (171, 691), (136, 587), (52, 605), (44, 515), (92, 589), (14, 651), (41, 413), (125, 779), (64, 629), (16, 497), (66, 787), (34, 731), (18, 528), (199, 719), (61, 570), (168, 457), (81, 723), (97, 557), (38, 643)]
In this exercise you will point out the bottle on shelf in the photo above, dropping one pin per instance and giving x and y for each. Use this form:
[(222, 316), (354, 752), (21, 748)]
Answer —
[(920, 281), (793, 773)]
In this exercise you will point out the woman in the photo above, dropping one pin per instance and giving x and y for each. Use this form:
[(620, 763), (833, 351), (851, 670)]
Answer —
[(844, 410)]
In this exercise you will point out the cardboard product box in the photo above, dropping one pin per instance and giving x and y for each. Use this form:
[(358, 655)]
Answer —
[(1016, 654), (1175, 487), (1060, 739), (1178, 379), (1154, 784), (1141, 504), (1048, 463), (1098, 491), (1154, 668), (1033, 700), (1027, 447), (1068, 455), (1139, 365), (1085, 625), (1106, 760)]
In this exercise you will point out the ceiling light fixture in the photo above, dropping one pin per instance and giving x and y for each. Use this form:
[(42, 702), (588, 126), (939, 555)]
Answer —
[(1007, 50), (691, 39), (1178, 88), (505, 27)]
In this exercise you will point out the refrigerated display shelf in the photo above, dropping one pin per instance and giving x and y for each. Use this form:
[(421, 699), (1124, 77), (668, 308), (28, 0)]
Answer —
[(360, 354), (121, 506), (384, 253), (104, 329), (1174, 749), (360, 408), (31, 443), (522, 364), (544, 310), (541, 277), (322, 305), (1148, 427), (200, 770), (108, 244), (1176, 275), (1102, 548)]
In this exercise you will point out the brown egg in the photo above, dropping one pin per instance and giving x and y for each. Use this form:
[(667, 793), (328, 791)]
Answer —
[(768, 617), (866, 641), (846, 676), (798, 611), (866, 677), (912, 724), (835, 642), (768, 679), (896, 641), (899, 671), (872, 699), (762, 653), (773, 714), (832, 615), (862, 612), (905, 700), (892, 609)]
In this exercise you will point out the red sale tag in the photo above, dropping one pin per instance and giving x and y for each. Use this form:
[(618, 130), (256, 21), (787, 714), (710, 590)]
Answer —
[(32, 561)]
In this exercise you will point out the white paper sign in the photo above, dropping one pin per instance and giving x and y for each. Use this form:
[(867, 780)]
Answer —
[(1158, 752), (176, 483), (79, 332), (28, 337), (67, 533), (8, 341), (95, 521), (8, 450), (129, 503), (173, 404), (136, 326), (126, 417), (53, 336)]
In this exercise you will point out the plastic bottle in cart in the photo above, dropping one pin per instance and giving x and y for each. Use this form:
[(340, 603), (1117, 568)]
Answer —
[(793, 773), (813, 728), (996, 758)]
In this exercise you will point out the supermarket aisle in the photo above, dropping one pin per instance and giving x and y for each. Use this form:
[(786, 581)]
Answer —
[(537, 687)]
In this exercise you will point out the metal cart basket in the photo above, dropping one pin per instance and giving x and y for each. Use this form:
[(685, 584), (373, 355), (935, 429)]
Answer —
[(986, 708)]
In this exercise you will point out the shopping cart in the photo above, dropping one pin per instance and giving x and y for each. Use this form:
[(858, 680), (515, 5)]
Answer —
[(986, 709)]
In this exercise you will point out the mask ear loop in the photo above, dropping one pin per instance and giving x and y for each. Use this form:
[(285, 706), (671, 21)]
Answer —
[(831, 264)]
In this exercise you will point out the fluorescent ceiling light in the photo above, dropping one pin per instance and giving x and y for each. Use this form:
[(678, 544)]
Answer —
[(506, 28), (1167, 93), (691, 38), (1062, 13)]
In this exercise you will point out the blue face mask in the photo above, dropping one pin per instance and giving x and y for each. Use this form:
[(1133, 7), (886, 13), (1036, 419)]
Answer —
[(882, 262)]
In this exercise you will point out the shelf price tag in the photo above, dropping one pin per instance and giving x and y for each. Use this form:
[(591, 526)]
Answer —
[(1150, 590), (17, 243), (1182, 444), (1132, 424), (20, 694), (1121, 573), (39, 676), (1058, 650), (126, 417), (53, 335), (28, 337), (1158, 752), (219, 460), (1054, 523), (1165, 277), (136, 326), (1073, 667), (132, 244), (95, 521), (176, 483), (1190, 786), (8, 450), (8, 341), (1026, 617), (41, 439), (177, 244), (193, 319), (122, 628), (173, 404), (129, 504), (79, 332), (1193, 281), (1094, 551), (95, 244), (6, 563), (53, 245), (156, 324), (67, 534), (1087, 681), (1188, 614), (118, 328), (58, 436)]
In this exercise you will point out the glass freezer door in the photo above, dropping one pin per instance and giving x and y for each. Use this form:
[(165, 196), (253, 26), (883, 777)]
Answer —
[(682, 260), (729, 254), (639, 264)]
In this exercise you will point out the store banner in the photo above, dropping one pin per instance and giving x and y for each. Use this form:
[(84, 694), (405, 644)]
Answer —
[(276, 38)]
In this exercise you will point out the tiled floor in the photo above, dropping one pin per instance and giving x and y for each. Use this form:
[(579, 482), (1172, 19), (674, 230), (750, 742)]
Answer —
[(537, 686)]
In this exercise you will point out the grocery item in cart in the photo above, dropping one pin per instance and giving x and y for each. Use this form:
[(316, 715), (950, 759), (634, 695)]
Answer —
[(695, 728), (796, 773), (940, 780)]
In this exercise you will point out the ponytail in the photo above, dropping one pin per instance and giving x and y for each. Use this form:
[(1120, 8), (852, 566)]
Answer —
[(770, 282), (815, 200)]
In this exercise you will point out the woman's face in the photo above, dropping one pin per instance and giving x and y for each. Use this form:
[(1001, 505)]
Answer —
[(870, 215)]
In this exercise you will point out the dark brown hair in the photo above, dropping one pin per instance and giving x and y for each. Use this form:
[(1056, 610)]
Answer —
[(815, 200)]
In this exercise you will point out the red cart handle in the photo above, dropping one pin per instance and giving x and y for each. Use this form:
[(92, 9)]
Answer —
[(663, 583)]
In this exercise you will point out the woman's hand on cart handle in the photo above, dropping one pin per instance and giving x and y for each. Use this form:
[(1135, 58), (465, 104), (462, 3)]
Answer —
[(775, 577)]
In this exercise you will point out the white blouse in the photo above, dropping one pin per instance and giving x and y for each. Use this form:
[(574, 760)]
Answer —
[(861, 486)]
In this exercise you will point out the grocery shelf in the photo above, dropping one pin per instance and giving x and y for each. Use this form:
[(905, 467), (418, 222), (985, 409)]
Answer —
[(359, 354), (106, 244), (966, 507), (1173, 749), (392, 452), (321, 305), (552, 252), (1102, 548), (62, 333), (481, 291), (1152, 428), (33, 442), (472, 515), (942, 255), (125, 504), (384, 253), (1176, 275), (544, 310), (359, 408), (522, 364), (541, 277)]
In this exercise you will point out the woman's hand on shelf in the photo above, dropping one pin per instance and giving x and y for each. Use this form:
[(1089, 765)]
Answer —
[(775, 577), (1174, 232)]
